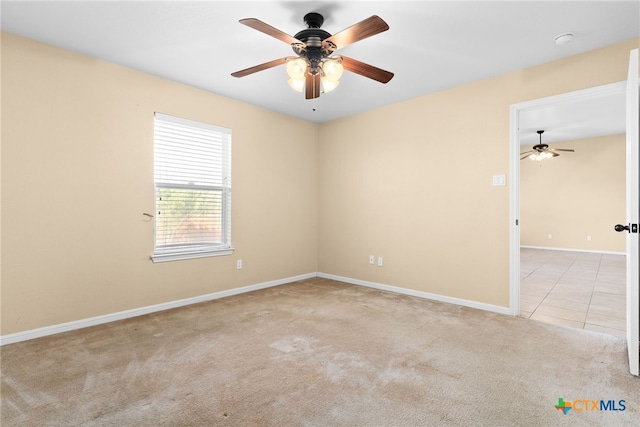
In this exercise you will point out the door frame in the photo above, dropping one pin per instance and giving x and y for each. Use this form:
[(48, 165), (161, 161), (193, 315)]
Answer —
[(632, 100), (514, 172)]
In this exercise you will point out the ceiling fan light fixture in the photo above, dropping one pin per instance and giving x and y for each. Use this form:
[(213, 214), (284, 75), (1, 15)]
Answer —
[(315, 68), (332, 69), (328, 85), (541, 156), (296, 84), (296, 68)]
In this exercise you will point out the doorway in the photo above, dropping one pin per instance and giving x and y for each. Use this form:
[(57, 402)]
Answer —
[(582, 290), (543, 275)]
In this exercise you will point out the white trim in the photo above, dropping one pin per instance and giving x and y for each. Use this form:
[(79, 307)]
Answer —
[(192, 123), (573, 250), (179, 256), (578, 95), (514, 162), (514, 211), (420, 294), (632, 215), (121, 315)]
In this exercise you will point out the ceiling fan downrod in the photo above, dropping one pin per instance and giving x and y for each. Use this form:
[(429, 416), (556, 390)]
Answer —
[(540, 146)]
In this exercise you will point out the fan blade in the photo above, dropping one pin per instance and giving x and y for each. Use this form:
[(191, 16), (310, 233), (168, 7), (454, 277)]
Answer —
[(257, 24), (360, 31), (527, 152), (312, 86), (562, 149), (260, 67), (525, 157), (366, 70)]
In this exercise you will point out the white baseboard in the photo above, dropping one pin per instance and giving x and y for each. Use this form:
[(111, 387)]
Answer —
[(573, 250), (420, 294), (121, 315)]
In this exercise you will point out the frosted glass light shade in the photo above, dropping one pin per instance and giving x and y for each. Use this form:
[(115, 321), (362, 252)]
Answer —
[(328, 85), (296, 84), (541, 156), (333, 70), (296, 68)]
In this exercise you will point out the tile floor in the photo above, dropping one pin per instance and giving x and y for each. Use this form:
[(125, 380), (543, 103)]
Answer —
[(575, 289)]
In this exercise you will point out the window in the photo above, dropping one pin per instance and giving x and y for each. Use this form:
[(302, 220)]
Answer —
[(192, 175)]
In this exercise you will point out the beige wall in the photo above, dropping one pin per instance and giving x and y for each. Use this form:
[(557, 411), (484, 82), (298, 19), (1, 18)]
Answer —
[(574, 196), (77, 174), (412, 182)]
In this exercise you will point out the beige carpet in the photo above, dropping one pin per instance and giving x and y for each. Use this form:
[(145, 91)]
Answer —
[(319, 353)]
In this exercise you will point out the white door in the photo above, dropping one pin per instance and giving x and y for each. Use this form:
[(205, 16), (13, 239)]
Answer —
[(633, 213)]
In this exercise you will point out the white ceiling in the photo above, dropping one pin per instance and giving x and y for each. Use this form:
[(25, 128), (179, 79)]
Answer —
[(430, 46), (569, 120)]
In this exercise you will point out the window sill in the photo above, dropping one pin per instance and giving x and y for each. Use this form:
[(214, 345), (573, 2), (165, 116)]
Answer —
[(190, 255)]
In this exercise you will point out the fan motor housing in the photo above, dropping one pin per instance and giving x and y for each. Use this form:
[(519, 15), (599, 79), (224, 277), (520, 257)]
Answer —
[(310, 33), (313, 37), (314, 21)]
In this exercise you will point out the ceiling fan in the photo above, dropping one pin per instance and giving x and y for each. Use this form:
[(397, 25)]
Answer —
[(314, 64), (542, 151)]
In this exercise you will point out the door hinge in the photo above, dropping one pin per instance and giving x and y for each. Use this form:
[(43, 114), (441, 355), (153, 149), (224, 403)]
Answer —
[(634, 228)]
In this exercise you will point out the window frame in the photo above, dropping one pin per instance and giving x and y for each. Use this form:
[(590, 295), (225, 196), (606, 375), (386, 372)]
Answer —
[(162, 253)]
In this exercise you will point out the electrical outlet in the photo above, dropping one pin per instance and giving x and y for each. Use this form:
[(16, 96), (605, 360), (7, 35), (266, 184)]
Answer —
[(550, 236), (239, 264), (372, 259), (379, 261), (588, 238)]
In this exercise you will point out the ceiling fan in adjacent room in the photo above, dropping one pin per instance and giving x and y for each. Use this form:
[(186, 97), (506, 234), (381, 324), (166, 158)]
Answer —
[(542, 151), (315, 65)]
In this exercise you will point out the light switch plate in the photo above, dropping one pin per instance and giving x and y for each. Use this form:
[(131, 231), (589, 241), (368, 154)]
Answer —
[(499, 180)]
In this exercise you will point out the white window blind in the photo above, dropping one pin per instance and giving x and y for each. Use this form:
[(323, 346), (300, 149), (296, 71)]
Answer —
[(192, 174)]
